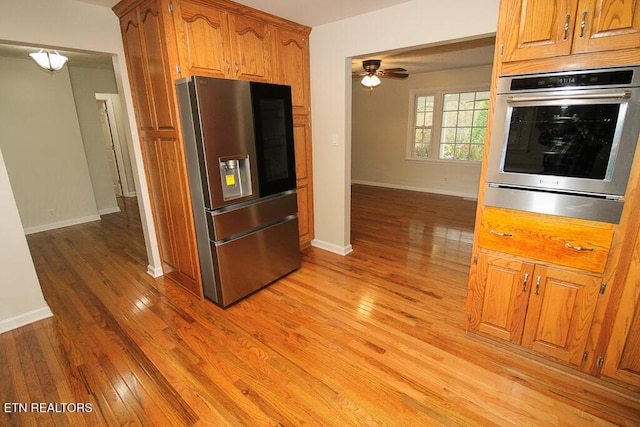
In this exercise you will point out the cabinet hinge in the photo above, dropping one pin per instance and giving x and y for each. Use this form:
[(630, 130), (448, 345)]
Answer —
[(585, 356), (178, 69), (603, 288), (600, 362), (170, 7), (475, 259)]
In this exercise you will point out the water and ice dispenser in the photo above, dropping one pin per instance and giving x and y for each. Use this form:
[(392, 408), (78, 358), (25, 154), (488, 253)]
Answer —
[(236, 177)]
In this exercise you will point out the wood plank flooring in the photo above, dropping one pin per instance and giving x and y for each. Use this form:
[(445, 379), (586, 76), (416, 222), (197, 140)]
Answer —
[(373, 338)]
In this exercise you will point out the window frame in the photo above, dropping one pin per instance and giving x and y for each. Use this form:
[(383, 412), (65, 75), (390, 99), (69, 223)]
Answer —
[(436, 129)]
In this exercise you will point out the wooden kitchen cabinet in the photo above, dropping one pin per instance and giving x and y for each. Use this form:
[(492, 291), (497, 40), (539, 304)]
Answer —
[(541, 307), (572, 242), (214, 42), (560, 312), (586, 313), (537, 29), (144, 33), (291, 52), (621, 361), (165, 40), (501, 296), (304, 181)]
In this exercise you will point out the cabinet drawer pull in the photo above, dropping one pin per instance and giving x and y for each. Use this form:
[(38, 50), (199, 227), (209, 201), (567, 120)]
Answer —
[(578, 248), (583, 24), (526, 280), (566, 27), (497, 233)]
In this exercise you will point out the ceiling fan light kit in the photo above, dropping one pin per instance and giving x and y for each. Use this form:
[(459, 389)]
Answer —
[(370, 81)]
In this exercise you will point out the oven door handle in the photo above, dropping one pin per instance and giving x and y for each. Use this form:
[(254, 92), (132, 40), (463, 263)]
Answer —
[(609, 95)]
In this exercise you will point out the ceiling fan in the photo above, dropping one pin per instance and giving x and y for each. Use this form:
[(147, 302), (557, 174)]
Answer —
[(372, 73)]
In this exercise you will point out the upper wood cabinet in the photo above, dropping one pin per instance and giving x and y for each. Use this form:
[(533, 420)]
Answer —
[(605, 25), (534, 29), (292, 59), (143, 33), (217, 43)]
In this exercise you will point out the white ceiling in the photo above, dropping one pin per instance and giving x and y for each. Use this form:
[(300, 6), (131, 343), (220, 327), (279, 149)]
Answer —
[(307, 12)]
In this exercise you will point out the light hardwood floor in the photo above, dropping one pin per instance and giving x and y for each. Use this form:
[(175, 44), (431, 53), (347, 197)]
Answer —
[(373, 338)]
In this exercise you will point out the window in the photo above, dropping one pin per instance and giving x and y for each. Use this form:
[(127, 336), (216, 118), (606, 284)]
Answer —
[(461, 121), (423, 127)]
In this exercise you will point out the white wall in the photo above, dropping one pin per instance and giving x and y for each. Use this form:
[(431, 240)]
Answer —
[(380, 135), (22, 301), (43, 148), (414, 23), (71, 25), (86, 82)]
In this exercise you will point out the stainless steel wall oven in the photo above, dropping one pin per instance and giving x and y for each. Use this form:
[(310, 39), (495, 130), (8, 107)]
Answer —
[(563, 143)]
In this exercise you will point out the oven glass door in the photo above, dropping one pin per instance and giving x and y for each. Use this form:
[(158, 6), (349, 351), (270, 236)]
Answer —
[(563, 138)]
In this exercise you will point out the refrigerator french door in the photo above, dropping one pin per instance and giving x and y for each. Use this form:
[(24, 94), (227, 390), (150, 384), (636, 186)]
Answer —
[(239, 150)]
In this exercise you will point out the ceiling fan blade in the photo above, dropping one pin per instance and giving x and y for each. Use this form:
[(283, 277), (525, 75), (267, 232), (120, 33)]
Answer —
[(393, 75), (394, 70), (360, 74)]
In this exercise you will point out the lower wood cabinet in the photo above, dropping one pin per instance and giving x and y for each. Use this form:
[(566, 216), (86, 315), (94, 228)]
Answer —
[(622, 358), (622, 361), (541, 307)]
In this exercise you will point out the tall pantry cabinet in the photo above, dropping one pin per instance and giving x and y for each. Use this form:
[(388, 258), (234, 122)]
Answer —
[(165, 40)]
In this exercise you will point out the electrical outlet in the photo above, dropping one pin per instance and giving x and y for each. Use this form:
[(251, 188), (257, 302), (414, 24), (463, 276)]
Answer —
[(52, 213)]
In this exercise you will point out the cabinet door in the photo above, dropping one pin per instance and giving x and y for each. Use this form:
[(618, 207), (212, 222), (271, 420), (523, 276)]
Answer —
[(203, 40), (560, 311), (250, 42), (537, 28), (622, 359), (160, 81), (607, 25), (130, 26), (292, 59), (178, 210), (153, 171), (302, 140), (500, 305)]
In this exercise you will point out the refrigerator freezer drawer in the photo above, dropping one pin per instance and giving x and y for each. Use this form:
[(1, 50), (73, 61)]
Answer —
[(233, 221), (248, 263)]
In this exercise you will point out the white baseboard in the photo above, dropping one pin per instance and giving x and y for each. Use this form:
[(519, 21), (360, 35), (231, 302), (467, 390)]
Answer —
[(60, 224), (107, 211), (154, 271), (340, 250), (469, 196), (24, 319)]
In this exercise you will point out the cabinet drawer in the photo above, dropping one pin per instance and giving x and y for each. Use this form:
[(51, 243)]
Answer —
[(573, 243)]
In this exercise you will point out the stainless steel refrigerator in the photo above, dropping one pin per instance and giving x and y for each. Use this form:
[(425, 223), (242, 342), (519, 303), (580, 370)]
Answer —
[(238, 140)]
